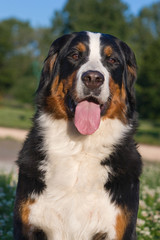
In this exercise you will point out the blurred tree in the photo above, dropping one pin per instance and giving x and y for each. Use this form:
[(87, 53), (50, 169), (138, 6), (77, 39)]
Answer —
[(148, 91), (148, 46), (44, 37), (139, 37), (150, 17), (93, 15), (6, 47), (18, 49), (144, 29)]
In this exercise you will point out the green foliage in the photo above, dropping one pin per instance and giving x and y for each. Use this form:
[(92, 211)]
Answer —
[(151, 18), (92, 15), (148, 215), (5, 49), (146, 42), (7, 195), (17, 56), (149, 82)]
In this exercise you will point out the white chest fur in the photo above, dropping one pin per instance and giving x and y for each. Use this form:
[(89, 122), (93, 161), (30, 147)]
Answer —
[(74, 205)]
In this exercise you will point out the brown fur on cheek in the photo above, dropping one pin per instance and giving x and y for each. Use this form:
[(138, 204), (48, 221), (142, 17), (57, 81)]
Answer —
[(55, 103), (117, 108)]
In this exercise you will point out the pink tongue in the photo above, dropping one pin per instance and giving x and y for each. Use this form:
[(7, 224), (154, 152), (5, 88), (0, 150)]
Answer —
[(87, 117)]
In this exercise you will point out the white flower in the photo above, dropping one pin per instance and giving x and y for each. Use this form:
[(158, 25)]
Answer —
[(140, 222), (144, 213)]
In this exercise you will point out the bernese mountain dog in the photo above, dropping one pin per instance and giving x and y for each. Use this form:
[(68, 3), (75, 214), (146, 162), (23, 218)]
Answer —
[(79, 166)]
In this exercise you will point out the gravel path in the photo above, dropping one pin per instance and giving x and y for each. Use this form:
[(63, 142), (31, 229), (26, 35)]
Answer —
[(14, 133), (11, 142)]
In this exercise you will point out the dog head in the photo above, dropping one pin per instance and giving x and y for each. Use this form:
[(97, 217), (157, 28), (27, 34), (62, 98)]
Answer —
[(88, 77)]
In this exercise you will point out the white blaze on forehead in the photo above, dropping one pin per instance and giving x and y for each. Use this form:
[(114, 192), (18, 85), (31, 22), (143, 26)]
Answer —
[(94, 63), (94, 44)]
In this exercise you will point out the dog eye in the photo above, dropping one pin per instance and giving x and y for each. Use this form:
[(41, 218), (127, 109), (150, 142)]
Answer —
[(112, 60), (75, 56)]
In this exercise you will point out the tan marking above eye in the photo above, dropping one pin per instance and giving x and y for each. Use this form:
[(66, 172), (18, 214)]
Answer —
[(81, 47), (108, 51)]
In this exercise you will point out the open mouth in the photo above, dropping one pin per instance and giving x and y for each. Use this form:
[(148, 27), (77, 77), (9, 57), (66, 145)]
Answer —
[(87, 114), (72, 104)]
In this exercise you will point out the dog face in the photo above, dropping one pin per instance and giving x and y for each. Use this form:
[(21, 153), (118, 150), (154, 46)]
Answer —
[(88, 77)]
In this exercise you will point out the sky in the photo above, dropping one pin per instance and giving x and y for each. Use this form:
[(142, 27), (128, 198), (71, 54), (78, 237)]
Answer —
[(40, 12)]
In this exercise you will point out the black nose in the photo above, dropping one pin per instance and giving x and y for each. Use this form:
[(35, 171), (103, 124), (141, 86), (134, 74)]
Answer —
[(92, 79)]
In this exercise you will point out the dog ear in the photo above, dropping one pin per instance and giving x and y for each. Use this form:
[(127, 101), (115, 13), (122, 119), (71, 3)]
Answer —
[(50, 62), (131, 67)]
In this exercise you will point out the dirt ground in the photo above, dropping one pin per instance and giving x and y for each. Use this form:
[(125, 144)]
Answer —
[(11, 142)]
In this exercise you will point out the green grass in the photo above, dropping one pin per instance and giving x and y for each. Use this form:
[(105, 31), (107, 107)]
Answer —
[(148, 216), (148, 132), (15, 117)]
